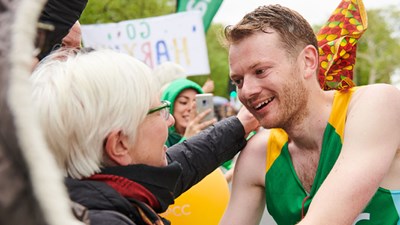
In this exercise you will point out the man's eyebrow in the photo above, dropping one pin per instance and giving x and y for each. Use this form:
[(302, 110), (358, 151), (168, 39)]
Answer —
[(254, 65)]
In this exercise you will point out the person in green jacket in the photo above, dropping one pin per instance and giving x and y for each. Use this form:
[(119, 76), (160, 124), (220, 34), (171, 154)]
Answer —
[(182, 95)]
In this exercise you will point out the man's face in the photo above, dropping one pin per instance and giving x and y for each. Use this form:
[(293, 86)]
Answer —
[(74, 37), (269, 81)]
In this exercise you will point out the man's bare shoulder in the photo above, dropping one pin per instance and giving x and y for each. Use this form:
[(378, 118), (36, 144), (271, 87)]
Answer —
[(374, 108), (379, 104), (377, 91), (250, 166), (372, 133), (258, 142), (255, 150)]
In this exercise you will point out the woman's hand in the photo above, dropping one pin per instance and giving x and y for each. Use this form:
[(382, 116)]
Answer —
[(195, 125), (249, 122)]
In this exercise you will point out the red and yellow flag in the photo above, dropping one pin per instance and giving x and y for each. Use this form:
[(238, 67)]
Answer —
[(337, 41)]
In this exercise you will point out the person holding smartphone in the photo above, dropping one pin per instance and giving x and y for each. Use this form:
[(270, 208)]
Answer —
[(182, 95)]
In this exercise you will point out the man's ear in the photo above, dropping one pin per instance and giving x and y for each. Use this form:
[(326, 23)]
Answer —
[(310, 59), (116, 148)]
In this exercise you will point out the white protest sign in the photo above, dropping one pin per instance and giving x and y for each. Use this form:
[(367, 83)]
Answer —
[(176, 37)]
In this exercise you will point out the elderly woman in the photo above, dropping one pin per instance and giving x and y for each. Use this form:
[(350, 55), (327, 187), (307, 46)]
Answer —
[(103, 119)]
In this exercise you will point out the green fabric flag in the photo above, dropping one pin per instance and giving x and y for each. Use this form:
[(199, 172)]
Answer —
[(208, 8)]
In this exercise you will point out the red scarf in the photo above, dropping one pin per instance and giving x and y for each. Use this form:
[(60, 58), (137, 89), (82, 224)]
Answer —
[(128, 189)]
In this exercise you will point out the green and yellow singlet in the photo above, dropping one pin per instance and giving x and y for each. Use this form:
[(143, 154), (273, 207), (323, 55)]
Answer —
[(286, 198)]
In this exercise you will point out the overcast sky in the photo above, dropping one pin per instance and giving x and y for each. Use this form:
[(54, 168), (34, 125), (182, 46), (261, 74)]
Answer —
[(315, 11)]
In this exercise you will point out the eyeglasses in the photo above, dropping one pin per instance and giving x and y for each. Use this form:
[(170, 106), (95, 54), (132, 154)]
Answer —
[(164, 108)]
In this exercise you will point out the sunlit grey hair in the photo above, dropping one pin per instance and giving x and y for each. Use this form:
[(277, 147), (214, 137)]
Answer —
[(167, 72), (82, 97)]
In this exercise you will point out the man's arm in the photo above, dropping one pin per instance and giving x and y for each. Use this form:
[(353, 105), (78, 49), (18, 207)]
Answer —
[(371, 141), (62, 15), (247, 201)]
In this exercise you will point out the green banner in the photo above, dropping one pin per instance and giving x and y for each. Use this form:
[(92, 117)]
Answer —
[(208, 8)]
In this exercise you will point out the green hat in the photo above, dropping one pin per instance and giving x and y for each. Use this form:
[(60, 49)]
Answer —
[(176, 87)]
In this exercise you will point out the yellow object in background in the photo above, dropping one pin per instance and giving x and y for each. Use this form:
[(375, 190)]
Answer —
[(204, 203)]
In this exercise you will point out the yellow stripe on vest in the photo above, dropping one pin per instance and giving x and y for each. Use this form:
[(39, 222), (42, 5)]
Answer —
[(339, 110), (277, 139)]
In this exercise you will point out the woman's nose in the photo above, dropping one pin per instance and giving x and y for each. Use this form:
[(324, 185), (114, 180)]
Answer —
[(191, 106)]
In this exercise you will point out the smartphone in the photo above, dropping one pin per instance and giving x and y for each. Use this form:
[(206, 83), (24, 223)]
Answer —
[(204, 102)]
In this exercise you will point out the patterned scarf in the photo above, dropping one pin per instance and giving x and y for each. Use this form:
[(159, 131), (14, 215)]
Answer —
[(337, 41)]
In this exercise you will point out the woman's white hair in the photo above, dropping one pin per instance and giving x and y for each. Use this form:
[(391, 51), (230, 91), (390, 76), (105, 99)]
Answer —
[(82, 97)]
